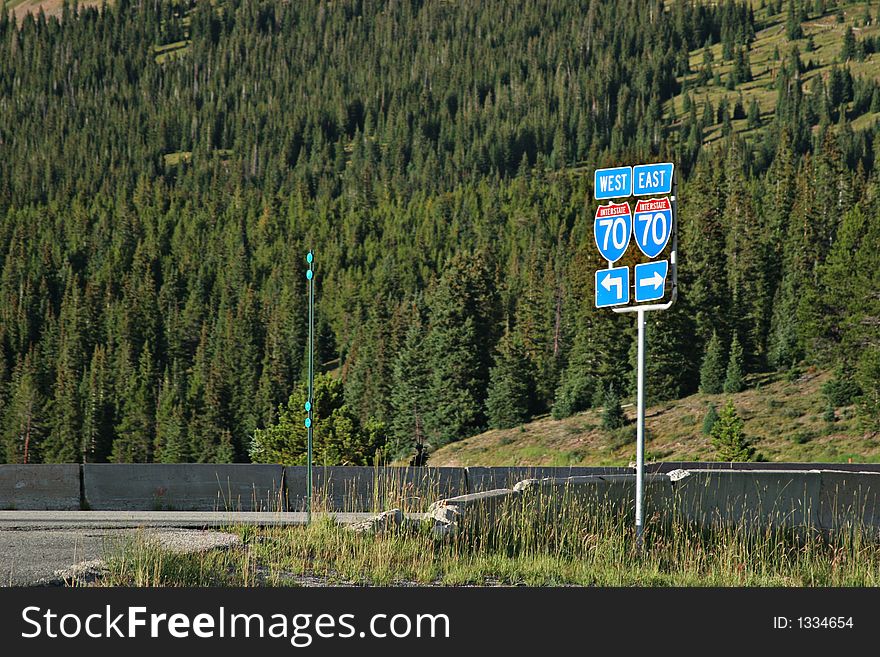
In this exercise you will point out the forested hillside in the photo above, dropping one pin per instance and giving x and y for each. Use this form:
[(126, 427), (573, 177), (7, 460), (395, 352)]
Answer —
[(165, 166)]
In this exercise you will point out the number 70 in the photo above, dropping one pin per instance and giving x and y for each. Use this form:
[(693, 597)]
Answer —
[(614, 228), (656, 224)]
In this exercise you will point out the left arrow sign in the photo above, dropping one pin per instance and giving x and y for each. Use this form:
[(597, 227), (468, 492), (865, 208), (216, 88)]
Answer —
[(612, 287)]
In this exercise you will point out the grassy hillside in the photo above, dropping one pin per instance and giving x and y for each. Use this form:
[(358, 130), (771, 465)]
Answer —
[(819, 50), (784, 419), (49, 7)]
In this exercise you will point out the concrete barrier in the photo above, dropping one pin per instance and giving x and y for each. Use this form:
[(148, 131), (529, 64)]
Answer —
[(184, 486), (352, 488), (474, 511), (42, 487), (489, 478), (816, 497), (849, 499), (611, 490), (778, 498), (666, 467)]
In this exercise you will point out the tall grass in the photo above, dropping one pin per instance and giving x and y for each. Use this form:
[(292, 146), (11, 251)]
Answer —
[(547, 542)]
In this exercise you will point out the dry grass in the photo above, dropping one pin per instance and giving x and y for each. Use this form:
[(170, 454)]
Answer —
[(572, 546), (783, 417), (49, 7), (827, 35)]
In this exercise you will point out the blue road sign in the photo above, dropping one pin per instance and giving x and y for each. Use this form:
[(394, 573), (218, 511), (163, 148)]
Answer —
[(649, 179), (650, 279), (612, 228), (612, 287), (612, 183), (652, 225)]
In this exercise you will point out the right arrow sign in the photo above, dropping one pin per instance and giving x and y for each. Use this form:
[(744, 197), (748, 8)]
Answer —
[(650, 279)]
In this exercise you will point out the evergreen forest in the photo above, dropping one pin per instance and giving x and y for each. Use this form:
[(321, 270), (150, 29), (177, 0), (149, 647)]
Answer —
[(165, 166)]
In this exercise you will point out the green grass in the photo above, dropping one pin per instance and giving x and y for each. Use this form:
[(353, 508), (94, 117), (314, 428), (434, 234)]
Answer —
[(573, 546), (170, 50), (173, 159), (777, 414)]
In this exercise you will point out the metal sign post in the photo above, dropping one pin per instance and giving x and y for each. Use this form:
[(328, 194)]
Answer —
[(310, 403), (655, 221)]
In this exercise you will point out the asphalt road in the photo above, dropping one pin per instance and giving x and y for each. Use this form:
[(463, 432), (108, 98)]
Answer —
[(49, 547), (30, 557), (135, 519)]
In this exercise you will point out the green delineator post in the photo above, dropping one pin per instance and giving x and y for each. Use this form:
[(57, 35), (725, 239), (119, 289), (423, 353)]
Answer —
[(310, 404)]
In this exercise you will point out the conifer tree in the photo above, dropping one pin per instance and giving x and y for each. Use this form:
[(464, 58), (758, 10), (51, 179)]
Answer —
[(136, 428), (672, 370), (25, 417), (464, 324), (612, 412), (577, 383), (712, 371), (868, 379), (339, 438), (729, 438), (97, 422), (171, 444), (511, 395), (733, 380), (710, 419), (793, 29), (702, 251), (848, 48), (409, 392)]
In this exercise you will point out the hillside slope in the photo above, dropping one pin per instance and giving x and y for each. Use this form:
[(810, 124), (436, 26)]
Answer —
[(820, 51), (49, 7), (783, 418)]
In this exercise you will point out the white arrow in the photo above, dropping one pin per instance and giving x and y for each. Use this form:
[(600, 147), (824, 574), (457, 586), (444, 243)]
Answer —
[(615, 281), (656, 281)]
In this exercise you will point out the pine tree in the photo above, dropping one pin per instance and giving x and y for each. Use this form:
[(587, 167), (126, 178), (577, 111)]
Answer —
[(65, 424), (171, 444), (25, 417), (612, 413), (733, 380), (848, 49), (97, 422), (577, 383), (511, 395), (868, 379), (136, 428), (703, 271), (710, 419), (729, 438), (672, 370), (793, 29), (753, 119), (339, 438), (455, 405), (746, 262), (464, 320), (712, 371), (409, 391)]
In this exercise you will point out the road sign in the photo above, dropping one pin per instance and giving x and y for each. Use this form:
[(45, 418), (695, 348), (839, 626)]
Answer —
[(650, 179), (650, 279), (652, 225), (612, 183), (612, 287), (612, 228)]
